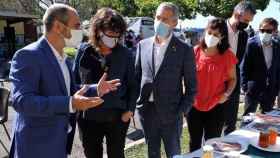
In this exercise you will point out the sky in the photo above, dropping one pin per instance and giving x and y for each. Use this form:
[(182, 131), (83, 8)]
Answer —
[(272, 10)]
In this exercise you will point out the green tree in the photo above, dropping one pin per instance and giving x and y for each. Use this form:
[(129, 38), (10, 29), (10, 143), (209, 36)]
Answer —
[(87, 8), (224, 8), (148, 8), (189, 8), (125, 7)]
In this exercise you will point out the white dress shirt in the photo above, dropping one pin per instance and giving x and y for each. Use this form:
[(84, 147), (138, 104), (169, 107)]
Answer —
[(267, 52), (232, 38), (159, 53), (65, 71)]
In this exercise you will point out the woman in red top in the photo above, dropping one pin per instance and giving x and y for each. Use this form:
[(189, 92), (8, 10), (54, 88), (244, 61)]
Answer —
[(215, 63)]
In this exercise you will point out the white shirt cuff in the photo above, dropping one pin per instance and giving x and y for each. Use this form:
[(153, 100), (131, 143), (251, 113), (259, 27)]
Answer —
[(71, 110)]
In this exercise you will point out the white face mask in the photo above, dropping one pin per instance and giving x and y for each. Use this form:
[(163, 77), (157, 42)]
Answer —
[(75, 40), (265, 37), (211, 40), (108, 41)]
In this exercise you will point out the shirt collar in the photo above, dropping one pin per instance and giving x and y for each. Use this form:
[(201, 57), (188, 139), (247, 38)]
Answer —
[(56, 53), (166, 42), (230, 30)]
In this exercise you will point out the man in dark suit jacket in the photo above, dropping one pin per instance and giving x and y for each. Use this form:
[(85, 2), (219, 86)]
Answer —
[(44, 92), (243, 13), (162, 63), (260, 68)]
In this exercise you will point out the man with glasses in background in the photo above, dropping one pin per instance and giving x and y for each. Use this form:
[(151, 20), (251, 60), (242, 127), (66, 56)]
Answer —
[(260, 70)]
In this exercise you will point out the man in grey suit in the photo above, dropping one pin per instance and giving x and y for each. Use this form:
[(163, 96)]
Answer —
[(162, 63)]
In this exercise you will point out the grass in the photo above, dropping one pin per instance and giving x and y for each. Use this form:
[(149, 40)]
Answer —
[(140, 151)]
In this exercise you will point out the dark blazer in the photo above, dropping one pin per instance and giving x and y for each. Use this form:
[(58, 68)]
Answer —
[(255, 77), (241, 46), (87, 70), (178, 65), (41, 103)]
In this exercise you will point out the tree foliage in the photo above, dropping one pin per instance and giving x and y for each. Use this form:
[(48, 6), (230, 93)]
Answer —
[(87, 8), (224, 8), (188, 8), (148, 8)]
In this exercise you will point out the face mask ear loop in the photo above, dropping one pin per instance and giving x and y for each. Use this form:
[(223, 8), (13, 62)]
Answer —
[(65, 27)]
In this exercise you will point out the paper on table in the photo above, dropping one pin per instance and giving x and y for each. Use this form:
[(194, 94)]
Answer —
[(243, 134)]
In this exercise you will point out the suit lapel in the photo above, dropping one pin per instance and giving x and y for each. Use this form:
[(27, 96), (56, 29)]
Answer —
[(242, 41), (170, 49), (54, 63), (150, 53)]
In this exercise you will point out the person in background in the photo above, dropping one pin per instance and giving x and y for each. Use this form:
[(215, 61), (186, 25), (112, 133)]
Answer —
[(139, 37), (260, 68), (44, 93), (104, 53), (188, 38), (216, 75), (250, 31), (85, 38), (242, 15), (276, 37), (162, 63), (130, 39)]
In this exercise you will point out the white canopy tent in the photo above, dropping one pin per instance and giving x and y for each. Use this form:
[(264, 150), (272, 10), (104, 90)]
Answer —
[(199, 22)]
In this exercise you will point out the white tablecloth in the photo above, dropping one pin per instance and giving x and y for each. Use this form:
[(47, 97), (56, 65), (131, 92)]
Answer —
[(242, 134)]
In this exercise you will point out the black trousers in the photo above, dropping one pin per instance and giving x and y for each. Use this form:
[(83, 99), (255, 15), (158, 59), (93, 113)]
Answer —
[(210, 124), (266, 101), (93, 132), (231, 109)]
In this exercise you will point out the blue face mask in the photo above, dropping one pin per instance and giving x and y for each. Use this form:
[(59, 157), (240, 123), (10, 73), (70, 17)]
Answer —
[(161, 29)]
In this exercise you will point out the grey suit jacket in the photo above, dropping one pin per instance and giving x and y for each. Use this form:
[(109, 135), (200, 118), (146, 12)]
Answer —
[(178, 65)]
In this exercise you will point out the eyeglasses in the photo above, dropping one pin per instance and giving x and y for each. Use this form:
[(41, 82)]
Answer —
[(266, 31)]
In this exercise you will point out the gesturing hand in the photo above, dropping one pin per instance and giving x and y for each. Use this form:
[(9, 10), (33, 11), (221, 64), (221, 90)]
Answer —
[(104, 87), (80, 102)]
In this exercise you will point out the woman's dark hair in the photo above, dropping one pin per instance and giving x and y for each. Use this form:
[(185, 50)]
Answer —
[(220, 24), (105, 19)]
